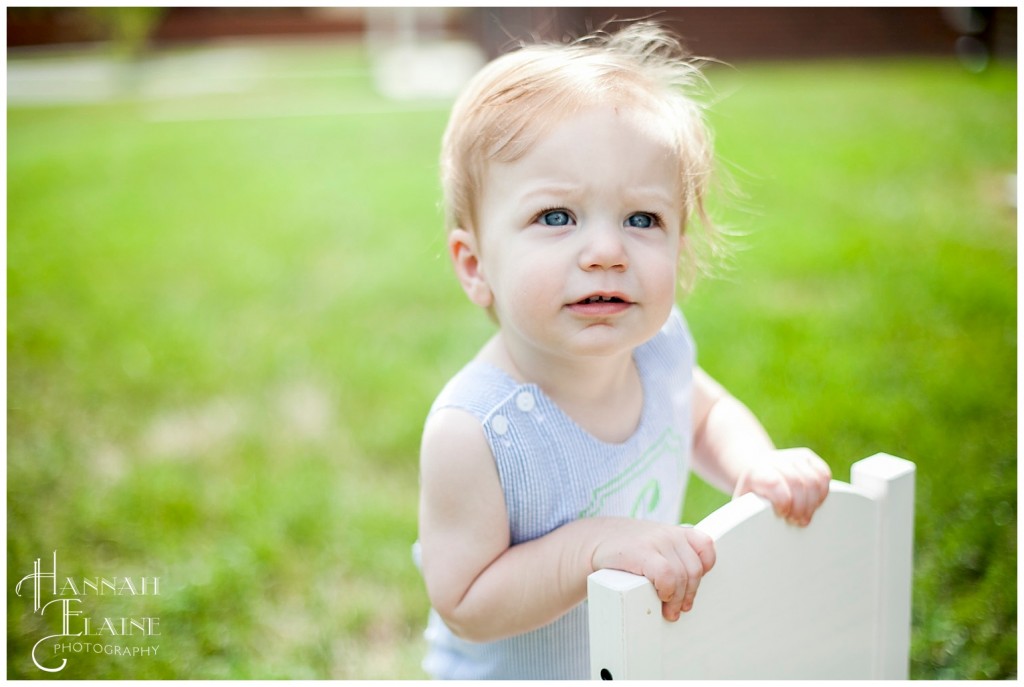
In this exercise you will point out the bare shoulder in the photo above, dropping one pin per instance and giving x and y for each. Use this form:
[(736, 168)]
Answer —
[(451, 427), (456, 461)]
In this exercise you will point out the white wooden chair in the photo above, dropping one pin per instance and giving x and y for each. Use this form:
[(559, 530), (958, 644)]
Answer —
[(829, 601)]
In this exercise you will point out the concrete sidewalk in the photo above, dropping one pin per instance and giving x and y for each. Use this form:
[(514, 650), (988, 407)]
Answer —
[(401, 72)]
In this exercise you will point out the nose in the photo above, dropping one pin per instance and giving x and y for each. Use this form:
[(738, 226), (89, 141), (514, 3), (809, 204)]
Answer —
[(603, 248)]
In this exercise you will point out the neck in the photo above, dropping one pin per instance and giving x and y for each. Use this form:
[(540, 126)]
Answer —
[(602, 393)]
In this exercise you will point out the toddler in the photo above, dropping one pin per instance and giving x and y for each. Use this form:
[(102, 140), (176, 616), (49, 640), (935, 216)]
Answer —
[(571, 175)]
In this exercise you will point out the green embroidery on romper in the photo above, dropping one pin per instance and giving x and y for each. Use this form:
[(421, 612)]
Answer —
[(647, 501), (668, 442)]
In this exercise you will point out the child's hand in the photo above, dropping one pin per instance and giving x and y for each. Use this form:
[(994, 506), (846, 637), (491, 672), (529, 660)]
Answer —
[(674, 558), (794, 480)]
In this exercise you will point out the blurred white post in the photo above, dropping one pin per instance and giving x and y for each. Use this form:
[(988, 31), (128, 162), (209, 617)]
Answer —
[(413, 58)]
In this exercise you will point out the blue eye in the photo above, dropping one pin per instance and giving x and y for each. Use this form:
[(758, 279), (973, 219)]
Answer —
[(555, 218), (641, 220)]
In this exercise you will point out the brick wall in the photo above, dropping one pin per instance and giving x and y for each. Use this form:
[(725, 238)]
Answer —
[(737, 33), (727, 33)]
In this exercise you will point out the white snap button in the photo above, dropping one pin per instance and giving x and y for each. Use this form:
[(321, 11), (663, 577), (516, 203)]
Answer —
[(525, 402), (499, 423)]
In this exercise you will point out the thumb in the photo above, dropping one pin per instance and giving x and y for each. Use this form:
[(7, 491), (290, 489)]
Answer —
[(778, 492), (768, 484)]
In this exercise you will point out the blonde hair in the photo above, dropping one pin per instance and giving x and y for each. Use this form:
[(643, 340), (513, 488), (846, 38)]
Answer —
[(514, 99)]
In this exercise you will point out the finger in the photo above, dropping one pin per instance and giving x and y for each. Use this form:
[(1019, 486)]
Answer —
[(823, 474), (816, 482), (694, 568), (781, 497), (670, 586), (672, 611), (825, 486), (704, 546), (665, 581), (800, 512), (669, 576), (815, 463), (816, 488), (819, 480), (805, 486)]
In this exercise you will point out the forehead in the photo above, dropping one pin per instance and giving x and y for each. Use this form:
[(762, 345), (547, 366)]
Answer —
[(599, 157), (629, 131), (606, 124), (512, 123)]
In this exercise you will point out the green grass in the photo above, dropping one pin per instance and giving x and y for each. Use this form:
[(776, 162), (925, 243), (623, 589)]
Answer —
[(224, 335)]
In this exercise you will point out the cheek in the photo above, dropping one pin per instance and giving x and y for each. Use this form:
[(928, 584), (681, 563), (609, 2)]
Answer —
[(661, 271), (532, 284), (528, 289)]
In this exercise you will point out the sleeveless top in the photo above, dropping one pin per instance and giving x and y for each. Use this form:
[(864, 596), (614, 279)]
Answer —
[(552, 472)]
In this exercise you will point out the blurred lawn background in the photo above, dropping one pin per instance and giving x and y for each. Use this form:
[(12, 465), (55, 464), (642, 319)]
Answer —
[(228, 314)]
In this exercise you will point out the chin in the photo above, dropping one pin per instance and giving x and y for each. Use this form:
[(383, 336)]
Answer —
[(598, 341)]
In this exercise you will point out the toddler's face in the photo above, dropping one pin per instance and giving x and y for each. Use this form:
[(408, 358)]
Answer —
[(580, 238)]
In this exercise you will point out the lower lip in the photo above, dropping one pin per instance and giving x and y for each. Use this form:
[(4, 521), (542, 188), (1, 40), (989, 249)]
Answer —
[(600, 309)]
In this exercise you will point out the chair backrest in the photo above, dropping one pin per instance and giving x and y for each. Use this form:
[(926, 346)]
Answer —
[(829, 601)]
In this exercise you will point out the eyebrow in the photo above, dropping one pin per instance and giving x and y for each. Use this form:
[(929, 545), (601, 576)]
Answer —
[(652, 193), (551, 189), (634, 194)]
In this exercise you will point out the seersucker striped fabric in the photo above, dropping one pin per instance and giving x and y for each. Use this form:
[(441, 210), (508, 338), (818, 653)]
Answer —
[(552, 472)]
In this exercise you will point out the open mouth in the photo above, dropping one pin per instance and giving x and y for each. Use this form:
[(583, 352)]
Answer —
[(602, 305), (602, 299)]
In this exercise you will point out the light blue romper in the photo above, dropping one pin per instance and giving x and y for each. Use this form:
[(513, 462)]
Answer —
[(552, 472)]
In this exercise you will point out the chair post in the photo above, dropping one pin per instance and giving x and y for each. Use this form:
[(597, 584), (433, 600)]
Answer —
[(890, 481), (625, 627)]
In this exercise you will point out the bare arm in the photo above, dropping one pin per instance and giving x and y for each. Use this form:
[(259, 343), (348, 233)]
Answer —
[(726, 435), (733, 451), (485, 589)]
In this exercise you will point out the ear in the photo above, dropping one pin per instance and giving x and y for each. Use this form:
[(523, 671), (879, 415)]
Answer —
[(464, 250)]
